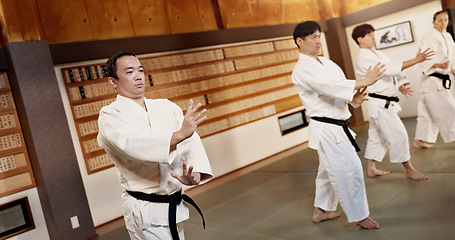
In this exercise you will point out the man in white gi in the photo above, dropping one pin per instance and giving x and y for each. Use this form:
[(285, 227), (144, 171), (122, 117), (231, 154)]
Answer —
[(386, 130), (325, 92), (155, 149), (436, 107)]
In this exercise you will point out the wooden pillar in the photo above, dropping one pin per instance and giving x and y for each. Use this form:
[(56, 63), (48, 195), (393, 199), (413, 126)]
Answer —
[(337, 43), (46, 132)]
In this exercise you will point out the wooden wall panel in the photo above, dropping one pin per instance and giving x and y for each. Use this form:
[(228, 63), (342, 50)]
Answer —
[(110, 19), (20, 21), (448, 4), (149, 17), (329, 9), (183, 16), (350, 6), (248, 13), (299, 11), (207, 14), (65, 21)]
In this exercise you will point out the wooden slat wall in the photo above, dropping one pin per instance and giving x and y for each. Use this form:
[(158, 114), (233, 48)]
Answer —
[(86, 20), (149, 17), (110, 19), (61, 22), (183, 16), (354, 6), (20, 21), (207, 13)]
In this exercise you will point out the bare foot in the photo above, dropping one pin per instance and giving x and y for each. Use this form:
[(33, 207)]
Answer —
[(421, 144), (415, 175), (412, 173), (376, 172), (320, 215), (368, 223)]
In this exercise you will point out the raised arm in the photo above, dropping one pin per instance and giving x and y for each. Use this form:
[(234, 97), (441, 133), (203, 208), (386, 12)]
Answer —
[(420, 57)]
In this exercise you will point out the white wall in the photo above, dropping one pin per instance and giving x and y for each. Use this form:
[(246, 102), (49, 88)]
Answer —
[(227, 151), (40, 231), (421, 18)]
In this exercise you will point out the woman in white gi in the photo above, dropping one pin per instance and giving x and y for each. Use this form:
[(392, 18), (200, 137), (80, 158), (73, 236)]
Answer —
[(325, 92), (436, 107), (155, 149), (386, 130)]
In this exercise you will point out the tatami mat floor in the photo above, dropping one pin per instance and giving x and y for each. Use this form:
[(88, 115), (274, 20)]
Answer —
[(275, 202)]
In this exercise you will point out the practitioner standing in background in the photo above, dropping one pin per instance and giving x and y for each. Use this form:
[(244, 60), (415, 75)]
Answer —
[(386, 130), (436, 107), (325, 92)]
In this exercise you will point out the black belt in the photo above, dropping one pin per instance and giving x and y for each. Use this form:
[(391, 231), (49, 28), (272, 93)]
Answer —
[(446, 82), (173, 201), (344, 123), (388, 99)]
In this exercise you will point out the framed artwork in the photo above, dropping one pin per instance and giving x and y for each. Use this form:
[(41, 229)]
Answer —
[(15, 218), (393, 35), (293, 121)]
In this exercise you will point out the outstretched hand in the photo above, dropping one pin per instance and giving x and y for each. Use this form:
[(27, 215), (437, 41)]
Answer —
[(359, 96), (425, 55), (188, 177), (373, 75), (406, 90), (192, 119)]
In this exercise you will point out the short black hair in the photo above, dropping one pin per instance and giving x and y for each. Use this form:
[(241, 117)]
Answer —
[(304, 29), (111, 64), (439, 12), (361, 31)]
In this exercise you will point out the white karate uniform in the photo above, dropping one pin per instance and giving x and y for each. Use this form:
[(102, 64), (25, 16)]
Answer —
[(386, 130), (325, 92), (436, 106), (138, 142)]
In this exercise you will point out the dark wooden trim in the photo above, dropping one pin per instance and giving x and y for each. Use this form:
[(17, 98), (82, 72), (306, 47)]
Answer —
[(219, 19), (3, 60), (91, 50), (380, 10)]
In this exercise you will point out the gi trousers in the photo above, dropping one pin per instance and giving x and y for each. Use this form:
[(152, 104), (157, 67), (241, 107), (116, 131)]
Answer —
[(340, 176), (387, 131), (156, 233), (436, 114)]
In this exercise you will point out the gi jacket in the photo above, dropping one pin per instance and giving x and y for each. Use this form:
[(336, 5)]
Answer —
[(325, 92), (386, 86), (138, 142), (444, 50)]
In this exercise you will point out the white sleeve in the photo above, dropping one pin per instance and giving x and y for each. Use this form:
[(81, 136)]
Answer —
[(314, 77), (118, 137), (367, 60)]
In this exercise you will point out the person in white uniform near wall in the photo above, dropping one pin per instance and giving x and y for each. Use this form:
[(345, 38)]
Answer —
[(325, 93), (436, 107), (155, 149), (386, 130)]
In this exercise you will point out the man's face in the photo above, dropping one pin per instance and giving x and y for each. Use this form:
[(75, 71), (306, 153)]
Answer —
[(311, 44), (367, 41), (441, 22), (131, 78)]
